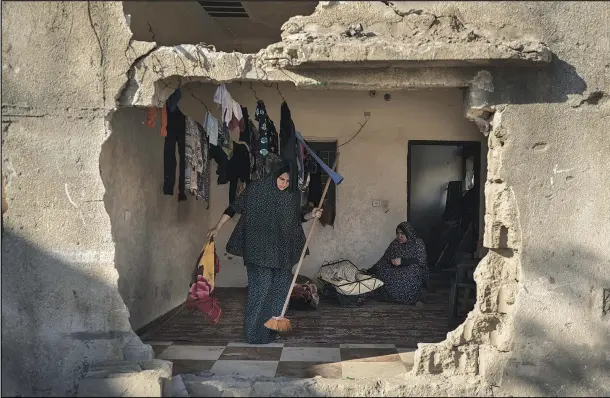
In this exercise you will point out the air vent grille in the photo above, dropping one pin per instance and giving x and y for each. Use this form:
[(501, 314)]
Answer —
[(224, 9)]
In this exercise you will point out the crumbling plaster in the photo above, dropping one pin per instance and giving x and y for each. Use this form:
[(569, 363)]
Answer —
[(537, 315), (391, 39)]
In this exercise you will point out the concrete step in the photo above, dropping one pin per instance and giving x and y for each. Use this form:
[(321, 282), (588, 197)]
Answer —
[(149, 378)]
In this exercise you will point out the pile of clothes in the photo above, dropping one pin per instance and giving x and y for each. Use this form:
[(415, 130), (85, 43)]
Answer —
[(304, 294)]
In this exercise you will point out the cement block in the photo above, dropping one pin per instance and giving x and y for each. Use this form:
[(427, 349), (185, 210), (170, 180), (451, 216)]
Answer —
[(126, 379)]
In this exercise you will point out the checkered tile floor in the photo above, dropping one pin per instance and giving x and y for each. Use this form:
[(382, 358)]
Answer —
[(354, 361)]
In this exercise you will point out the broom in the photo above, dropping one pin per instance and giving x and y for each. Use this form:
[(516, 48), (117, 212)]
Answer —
[(281, 323)]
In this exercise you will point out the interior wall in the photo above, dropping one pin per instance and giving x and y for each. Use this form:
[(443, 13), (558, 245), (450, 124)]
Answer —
[(374, 163), (432, 167), (157, 239)]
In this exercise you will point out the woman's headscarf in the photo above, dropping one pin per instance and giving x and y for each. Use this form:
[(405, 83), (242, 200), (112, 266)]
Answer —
[(281, 168), (413, 248)]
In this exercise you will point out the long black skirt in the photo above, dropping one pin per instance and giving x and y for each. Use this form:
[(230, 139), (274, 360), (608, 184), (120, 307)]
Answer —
[(267, 290)]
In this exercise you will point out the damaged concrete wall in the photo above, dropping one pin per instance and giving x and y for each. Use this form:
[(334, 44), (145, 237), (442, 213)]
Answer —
[(157, 239), (61, 309), (526, 113), (361, 232), (546, 161), (538, 327)]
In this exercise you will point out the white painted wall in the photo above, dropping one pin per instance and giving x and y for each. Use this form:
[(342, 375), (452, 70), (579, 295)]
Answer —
[(374, 164)]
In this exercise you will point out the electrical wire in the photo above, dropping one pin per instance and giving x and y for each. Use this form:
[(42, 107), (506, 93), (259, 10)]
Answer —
[(357, 132)]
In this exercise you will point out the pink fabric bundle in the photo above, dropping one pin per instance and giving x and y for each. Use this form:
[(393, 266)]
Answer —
[(199, 299)]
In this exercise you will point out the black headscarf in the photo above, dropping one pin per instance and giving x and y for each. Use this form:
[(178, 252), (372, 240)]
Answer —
[(403, 283), (269, 232), (413, 248), (280, 169)]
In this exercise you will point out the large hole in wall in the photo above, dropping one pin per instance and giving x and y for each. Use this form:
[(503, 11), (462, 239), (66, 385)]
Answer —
[(229, 26), (158, 238), (478, 346)]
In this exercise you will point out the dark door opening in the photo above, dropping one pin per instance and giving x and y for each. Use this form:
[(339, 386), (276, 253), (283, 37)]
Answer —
[(444, 188)]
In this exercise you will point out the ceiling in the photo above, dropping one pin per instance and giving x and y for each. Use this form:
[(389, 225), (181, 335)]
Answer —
[(229, 25)]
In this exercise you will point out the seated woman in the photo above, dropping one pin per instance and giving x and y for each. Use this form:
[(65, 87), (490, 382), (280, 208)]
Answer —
[(402, 269)]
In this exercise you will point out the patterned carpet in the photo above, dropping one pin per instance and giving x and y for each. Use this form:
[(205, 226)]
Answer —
[(373, 322)]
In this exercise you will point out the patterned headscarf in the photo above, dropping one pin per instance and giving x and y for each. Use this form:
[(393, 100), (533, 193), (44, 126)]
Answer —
[(413, 247)]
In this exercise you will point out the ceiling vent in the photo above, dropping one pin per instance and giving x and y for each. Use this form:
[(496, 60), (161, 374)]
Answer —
[(224, 9)]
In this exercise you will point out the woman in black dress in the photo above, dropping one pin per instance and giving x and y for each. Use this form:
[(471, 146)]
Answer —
[(403, 268), (269, 236)]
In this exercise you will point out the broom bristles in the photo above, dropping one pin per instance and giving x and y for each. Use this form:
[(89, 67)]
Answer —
[(279, 324)]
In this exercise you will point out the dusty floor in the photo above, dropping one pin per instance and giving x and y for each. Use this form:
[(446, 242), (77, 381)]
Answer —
[(332, 341)]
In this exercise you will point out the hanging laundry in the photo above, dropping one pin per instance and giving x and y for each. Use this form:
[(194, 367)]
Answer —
[(238, 168), (288, 144), (230, 109), (222, 160), (210, 125), (223, 135), (172, 101), (256, 158), (194, 161), (203, 178), (268, 139), (224, 99), (175, 136), (151, 117), (237, 120), (164, 121), (246, 137)]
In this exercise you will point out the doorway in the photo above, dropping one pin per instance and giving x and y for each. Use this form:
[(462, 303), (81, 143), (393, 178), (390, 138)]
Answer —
[(443, 189)]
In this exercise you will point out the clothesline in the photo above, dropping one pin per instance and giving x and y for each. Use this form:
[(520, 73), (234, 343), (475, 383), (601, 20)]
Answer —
[(243, 151)]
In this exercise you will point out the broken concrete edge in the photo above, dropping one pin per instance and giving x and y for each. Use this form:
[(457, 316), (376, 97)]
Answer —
[(127, 378), (486, 335), (211, 385), (146, 84), (386, 37), (480, 347), (389, 32)]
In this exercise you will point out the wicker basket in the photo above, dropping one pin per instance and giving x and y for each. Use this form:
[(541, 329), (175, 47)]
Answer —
[(343, 280)]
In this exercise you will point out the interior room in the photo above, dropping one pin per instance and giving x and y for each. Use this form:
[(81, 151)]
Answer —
[(404, 155)]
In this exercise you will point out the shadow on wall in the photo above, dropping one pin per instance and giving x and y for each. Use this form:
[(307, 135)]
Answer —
[(547, 84), (57, 319), (157, 239), (581, 334)]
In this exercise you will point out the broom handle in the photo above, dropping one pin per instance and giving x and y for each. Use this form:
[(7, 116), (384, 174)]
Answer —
[(313, 226)]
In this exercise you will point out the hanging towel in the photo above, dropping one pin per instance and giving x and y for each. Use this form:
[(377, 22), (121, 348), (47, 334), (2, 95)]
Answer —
[(151, 116), (208, 265), (224, 99), (210, 125)]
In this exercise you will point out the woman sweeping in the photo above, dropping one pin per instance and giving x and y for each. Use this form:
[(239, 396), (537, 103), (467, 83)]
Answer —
[(269, 237), (402, 269)]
